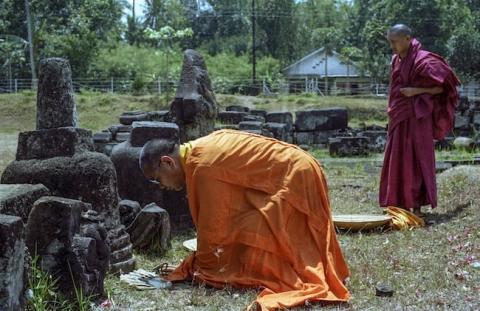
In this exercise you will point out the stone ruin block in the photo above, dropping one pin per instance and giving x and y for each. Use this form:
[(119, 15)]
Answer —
[(122, 136), (317, 138), (237, 108), (259, 112), (348, 146), (374, 127), (475, 104), (476, 119), (55, 101), (119, 128), (55, 142), (176, 204), (132, 184), (463, 103), (462, 121), (70, 246), (377, 140), (278, 130), (150, 229), (102, 137), (103, 142), (227, 127), (128, 117), (128, 211), (13, 274), (254, 118), (121, 250), (89, 176), (281, 117), (250, 125), (194, 108), (159, 116), (231, 117), (17, 200), (321, 119), (68, 167), (142, 132)]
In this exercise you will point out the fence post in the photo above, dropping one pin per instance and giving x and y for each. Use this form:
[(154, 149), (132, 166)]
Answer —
[(111, 84), (159, 86), (16, 85)]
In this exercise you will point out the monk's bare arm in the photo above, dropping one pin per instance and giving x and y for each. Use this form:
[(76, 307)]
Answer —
[(412, 91)]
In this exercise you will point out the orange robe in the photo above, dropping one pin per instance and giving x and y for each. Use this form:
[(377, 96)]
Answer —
[(262, 214)]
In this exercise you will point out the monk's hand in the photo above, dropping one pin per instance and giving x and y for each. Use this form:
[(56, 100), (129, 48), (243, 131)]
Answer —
[(409, 91)]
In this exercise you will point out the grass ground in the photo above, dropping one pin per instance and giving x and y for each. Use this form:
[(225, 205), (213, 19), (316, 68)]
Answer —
[(429, 268)]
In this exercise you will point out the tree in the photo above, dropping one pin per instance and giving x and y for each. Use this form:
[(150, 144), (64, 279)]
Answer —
[(275, 19)]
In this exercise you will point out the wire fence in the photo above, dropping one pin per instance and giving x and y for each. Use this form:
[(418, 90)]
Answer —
[(227, 86)]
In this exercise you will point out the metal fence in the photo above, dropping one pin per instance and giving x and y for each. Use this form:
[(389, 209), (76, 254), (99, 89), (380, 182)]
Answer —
[(222, 86)]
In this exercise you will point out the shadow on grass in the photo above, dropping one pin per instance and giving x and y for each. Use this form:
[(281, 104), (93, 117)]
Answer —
[(435, 218)]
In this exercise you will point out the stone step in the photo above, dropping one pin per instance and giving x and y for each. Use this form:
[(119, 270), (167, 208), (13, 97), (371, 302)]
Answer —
[(120, 242), (123, 266), (122, 254)]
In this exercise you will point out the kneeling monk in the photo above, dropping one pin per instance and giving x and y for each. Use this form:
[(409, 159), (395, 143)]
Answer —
[(262, 214)]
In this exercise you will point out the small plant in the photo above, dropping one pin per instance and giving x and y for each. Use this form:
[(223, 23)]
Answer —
[(43, 288)]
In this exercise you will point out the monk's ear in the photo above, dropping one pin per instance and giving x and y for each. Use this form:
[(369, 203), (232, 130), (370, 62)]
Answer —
[(168, 161)]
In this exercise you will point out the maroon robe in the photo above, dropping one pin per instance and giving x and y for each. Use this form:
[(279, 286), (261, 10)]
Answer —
[(408, 173)]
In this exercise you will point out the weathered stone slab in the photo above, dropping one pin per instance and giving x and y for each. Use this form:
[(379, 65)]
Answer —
[(70, 242), (159, 115), (237, 108), (119, 128), (316, 138), (151, 228), (194, 108), (132, 184), (254, 118), (102, 137), (56, 142), (281, 117), (55, 100), (321, 119), (106, 149), (279, 130), (142, 132), (462, 121), (259, 112), (129, 117), (250, 125), (128, 211), (476, 119), (88, 176), (122, 136), (50, 233), (231, 117), (12, 259), (463, 103), (119, 242), (378, 140), (348, 146), (17, 200), (475, 104), (227, 127)]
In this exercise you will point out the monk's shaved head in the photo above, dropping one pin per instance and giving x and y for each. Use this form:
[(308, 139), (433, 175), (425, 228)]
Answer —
[(154, 150), (400, 29), (399, 38)]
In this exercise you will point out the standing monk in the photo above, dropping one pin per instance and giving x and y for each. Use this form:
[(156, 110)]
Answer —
[(262, 215), (421, 108)]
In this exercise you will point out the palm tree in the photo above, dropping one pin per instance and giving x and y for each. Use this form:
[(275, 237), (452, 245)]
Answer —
[(154, 13)]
